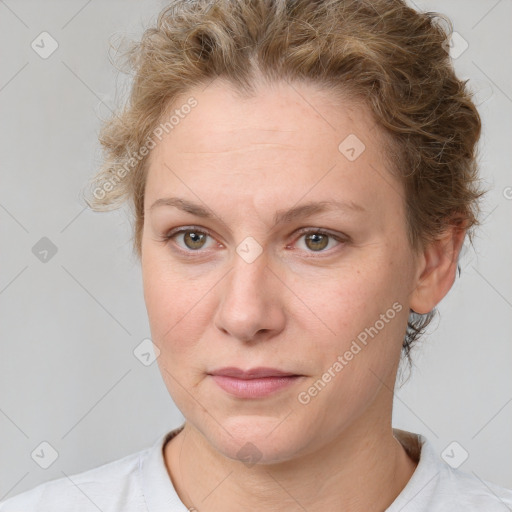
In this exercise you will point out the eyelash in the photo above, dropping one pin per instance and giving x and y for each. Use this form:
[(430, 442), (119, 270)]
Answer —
[(197, 253)]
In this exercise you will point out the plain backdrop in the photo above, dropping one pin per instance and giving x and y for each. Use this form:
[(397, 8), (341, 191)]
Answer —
[(70, 324)]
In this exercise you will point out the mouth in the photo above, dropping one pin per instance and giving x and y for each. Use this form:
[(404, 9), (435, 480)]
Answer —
[(253, 383)]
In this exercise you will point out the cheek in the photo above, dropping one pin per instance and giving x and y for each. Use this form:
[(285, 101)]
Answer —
[(365, 310), (346, 301), (180, 309), (353, 364), (175, 313)]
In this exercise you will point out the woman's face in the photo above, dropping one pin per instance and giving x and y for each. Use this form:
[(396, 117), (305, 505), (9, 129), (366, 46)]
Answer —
[(252, 286)]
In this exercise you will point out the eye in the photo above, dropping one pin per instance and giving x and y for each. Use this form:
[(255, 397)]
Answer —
[(316, 240), (192, 239)]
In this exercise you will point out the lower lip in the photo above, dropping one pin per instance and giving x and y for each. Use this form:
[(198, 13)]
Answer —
[(254, 388)]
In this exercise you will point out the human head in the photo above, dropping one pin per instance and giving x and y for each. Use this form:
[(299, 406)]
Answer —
[(381, 55), (383, 52)]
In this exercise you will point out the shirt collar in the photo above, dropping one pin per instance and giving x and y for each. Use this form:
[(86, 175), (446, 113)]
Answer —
[(424, 478), (156, 482)]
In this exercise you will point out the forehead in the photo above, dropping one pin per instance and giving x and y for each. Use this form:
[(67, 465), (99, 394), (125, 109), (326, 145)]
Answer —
[(280, 112), (286, 139)]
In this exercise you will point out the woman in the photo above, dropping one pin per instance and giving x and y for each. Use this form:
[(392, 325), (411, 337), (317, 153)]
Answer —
[(303, 177)]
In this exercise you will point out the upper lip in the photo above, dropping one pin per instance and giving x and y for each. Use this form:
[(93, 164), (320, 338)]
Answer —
[(252, 373)]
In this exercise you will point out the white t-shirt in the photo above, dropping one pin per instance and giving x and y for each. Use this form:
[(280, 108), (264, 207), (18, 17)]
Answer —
[(140, 483)]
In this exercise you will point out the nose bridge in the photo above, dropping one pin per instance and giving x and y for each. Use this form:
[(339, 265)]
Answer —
[(249, 259), (248, 277)]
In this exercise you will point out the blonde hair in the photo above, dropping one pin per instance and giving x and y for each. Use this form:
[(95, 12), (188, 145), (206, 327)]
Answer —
[(379, 51)]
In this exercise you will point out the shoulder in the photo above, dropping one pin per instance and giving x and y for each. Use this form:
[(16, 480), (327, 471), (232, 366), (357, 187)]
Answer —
[(111, 487), (468, 492), (435, 486)]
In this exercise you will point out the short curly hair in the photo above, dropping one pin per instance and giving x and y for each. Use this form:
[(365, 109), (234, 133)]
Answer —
[(392, 57)]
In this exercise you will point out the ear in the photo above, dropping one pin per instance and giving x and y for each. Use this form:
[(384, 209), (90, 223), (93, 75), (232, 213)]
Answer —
[(437, 266)]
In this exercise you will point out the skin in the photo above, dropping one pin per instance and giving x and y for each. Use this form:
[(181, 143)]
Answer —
[(293, 308)]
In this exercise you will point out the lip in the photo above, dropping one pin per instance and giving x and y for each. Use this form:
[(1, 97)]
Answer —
[(252, 373), (254, 383)]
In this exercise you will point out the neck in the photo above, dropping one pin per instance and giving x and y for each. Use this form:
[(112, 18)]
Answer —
[(363, 468)]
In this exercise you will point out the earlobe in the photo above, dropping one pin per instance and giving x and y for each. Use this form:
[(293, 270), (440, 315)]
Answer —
[(436, 271)]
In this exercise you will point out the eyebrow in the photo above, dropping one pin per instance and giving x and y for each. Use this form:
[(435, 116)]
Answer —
[(280, 217)]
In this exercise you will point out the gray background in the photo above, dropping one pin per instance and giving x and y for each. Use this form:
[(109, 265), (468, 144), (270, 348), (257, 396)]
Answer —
[(68, 375)]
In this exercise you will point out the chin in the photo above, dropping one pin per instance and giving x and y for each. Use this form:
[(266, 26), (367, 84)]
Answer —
[(255, 439)]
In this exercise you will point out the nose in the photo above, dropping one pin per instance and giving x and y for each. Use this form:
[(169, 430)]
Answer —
[(250, 307)]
